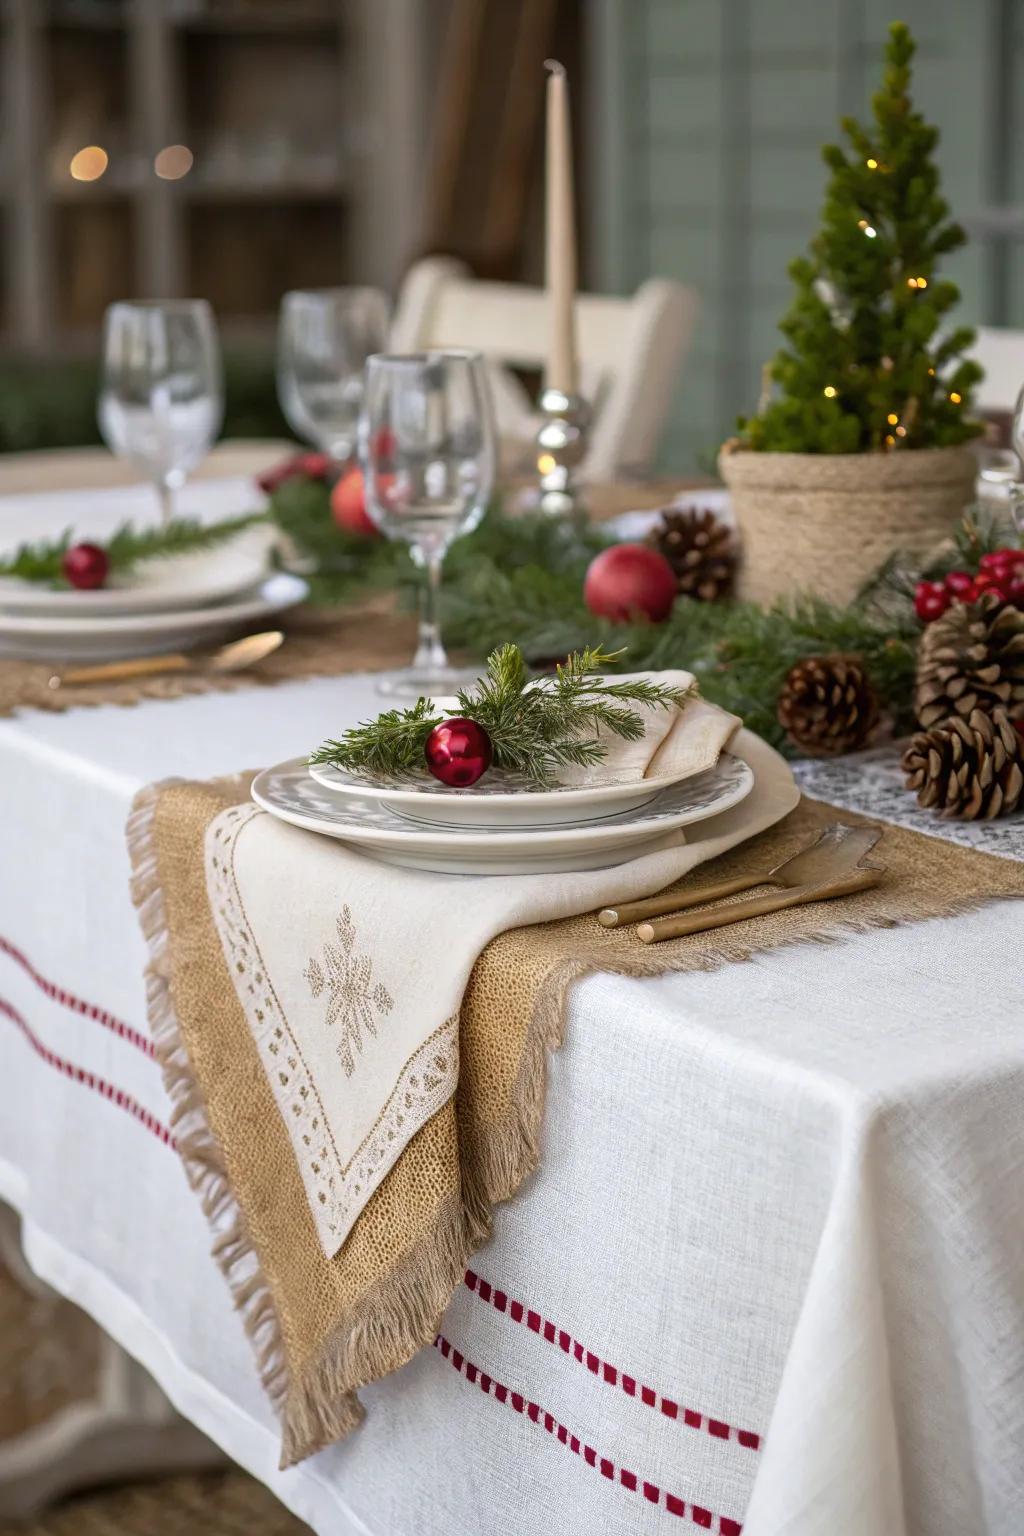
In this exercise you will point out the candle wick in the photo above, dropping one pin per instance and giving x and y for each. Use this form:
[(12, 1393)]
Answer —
[(553, 67)]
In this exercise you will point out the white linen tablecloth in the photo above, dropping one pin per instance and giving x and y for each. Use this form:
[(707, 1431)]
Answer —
[(770, 1272)]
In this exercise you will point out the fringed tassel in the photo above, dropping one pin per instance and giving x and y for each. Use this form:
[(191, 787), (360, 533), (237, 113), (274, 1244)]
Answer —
[(197, 1146)]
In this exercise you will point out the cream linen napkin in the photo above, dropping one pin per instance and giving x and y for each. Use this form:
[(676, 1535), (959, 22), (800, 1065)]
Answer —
[(681, 740), (351, 973)]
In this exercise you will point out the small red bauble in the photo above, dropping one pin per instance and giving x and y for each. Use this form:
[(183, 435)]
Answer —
[(310, 466), (930, 600), (348, 505), (630, 580), (458, 752), (85, 566)]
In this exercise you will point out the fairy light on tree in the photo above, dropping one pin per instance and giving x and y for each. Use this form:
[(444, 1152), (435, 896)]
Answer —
[(868, 348)]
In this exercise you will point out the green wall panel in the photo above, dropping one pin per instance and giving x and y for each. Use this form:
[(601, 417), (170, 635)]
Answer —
[(726, 104)]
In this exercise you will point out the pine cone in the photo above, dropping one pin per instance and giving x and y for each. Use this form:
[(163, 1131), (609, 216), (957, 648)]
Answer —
[(971, 658), (827, 705), (969, 769), (701, 548)]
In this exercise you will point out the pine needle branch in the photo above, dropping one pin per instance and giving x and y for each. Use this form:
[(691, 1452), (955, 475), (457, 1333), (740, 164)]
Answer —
[(387, 747), (127, 546), (535, 727)]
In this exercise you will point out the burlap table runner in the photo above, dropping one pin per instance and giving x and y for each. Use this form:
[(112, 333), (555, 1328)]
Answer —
[(323, 1327)]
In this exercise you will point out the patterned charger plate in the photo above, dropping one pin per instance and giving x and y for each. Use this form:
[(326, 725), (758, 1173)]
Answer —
[(290, 793), (501, 800)]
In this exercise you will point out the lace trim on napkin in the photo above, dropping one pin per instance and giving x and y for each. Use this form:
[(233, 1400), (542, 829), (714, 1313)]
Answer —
[(336, 1191)]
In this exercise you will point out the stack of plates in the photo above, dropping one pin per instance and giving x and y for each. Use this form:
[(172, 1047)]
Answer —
[(164, 604), (498, 827)]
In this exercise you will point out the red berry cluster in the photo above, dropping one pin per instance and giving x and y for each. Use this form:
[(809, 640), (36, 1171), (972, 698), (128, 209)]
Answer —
[(1001, 571)]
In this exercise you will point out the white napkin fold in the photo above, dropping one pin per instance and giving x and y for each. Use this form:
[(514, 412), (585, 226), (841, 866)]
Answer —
[(351, 973), (683, 739)]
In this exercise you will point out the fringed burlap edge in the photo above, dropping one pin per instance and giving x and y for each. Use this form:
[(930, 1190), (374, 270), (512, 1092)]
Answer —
[(196, 1144), (401, 1316), (401, 1313)]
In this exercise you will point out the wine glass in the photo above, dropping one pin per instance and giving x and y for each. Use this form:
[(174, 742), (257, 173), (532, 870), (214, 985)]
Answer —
[(162, 395), (324, 338), (426, 442)]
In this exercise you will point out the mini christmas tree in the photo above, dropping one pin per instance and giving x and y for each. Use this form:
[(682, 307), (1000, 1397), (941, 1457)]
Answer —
[(867, 366)]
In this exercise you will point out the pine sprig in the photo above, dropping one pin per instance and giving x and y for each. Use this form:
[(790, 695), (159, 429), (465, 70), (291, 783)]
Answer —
[(536, 728), (388, 747), (127, 546)]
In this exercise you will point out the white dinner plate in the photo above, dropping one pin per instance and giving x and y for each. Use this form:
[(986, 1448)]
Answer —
[(292, 794), (108, 637), (499, 800), (166, 584)]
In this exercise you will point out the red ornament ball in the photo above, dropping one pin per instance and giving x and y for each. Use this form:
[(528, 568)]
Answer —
[(85, 566), (629, 581), (458, 752), (348, 506)]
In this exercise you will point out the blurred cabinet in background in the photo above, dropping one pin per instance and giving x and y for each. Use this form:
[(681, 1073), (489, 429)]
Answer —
[(226, 148)]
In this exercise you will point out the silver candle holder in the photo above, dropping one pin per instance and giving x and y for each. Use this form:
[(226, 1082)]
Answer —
[(561, 444)]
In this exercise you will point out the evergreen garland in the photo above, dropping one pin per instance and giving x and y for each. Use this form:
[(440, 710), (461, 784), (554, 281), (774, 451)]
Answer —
[(343, 563), (864, 367), (519, 580), (740, 653)]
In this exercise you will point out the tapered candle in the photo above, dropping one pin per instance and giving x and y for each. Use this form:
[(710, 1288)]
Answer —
[(561, 236)]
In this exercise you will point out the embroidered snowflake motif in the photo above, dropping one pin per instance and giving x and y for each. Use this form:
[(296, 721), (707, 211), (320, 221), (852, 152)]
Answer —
[(354, 1000)]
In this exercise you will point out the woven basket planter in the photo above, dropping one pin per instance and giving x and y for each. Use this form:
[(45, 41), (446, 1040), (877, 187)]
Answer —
[(823, 523)]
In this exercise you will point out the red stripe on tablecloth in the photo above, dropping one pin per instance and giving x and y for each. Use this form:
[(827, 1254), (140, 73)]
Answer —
[(502, 1302), (98, 1085), (670, 1502), (76, 1004)]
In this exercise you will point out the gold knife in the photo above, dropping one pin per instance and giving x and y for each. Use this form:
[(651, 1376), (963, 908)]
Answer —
[(699, 922)]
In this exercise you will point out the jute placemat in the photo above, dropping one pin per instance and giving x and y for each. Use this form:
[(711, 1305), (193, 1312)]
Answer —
[(370, 636), (321, 1328)]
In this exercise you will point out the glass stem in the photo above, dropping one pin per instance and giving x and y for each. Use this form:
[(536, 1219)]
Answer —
[(166, 496), (430, 653)]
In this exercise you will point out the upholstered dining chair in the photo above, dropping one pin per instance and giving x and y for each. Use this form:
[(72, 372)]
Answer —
[(631, 351)]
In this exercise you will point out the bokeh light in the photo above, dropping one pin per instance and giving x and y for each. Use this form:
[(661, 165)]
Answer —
[(89, 163), (173, 162)]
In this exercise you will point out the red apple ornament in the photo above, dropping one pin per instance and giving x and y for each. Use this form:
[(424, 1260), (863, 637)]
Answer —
[(630, 580), (348, 505), (85, 566), (458, 752)]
